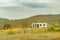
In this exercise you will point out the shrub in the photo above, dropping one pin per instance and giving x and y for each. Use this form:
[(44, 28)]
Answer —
[(6, 26), (51, 28), (14, 31), (57, 30), (11, 32)]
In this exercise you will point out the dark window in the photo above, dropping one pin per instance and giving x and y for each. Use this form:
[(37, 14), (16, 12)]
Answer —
[(40, 24), (37, 25), (43, 24), (33, 25)]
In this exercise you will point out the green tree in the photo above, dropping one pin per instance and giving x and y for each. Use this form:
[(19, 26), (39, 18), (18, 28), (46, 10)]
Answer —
[(6, 26)]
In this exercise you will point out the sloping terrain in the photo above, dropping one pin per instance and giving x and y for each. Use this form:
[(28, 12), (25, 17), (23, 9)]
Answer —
[(50, 19)]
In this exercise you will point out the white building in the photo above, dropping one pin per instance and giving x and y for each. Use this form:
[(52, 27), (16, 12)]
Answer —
[(39, 25)]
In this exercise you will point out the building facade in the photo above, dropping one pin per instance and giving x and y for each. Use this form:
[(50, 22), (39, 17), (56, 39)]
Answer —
[(39, 25)]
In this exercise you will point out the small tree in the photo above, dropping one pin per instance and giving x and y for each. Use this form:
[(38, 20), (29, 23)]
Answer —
[(6, 26)]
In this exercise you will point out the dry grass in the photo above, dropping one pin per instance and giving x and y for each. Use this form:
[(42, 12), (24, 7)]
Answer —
[(31, 34), (28, 31), (56, 38)]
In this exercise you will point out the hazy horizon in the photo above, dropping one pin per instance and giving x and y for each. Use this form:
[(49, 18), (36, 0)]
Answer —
[(19, 9)]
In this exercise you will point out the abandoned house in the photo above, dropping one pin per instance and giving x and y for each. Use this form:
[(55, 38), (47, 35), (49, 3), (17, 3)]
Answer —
[(39, 25)]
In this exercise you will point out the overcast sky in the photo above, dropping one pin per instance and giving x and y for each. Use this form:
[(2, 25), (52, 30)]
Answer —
[(19, 9)]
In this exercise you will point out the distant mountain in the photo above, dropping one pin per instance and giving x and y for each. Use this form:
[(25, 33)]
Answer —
[(3, 19)]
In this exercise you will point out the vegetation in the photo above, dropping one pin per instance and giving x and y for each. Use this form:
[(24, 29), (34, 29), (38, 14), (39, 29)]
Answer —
[(6, 26), (53, 20)]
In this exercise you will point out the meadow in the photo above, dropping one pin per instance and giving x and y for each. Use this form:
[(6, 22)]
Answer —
[(29, 34)]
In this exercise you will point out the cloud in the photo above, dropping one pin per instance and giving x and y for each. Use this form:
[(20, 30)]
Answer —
[(9, 3), (26, 8), (35, 5), (41, 3), (28, 3), (38, 1)]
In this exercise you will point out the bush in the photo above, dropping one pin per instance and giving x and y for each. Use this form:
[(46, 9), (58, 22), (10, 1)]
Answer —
[(57, 30), (14, 31), (6, 26), (11, 32), (51, 28)]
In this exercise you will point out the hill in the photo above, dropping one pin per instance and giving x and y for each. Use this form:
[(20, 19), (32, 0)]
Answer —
[(53, 20)]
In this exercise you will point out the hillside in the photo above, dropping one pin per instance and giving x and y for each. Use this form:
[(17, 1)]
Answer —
[(50, 19)]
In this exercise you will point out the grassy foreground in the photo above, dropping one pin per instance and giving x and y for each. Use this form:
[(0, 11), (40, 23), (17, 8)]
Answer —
[(30, 34)]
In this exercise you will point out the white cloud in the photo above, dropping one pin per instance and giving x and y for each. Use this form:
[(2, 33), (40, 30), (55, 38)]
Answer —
[(9, 3), (13, 3), (25, 8), (19, 3), (40, 1)]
